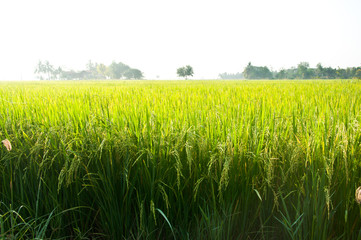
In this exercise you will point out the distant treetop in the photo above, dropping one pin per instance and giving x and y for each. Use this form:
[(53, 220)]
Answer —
[(185, 71)]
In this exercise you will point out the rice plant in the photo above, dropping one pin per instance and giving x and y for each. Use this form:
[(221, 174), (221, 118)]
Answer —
[(180, 160)]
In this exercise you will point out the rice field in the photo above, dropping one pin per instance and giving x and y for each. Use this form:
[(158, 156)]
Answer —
[(180, 160)]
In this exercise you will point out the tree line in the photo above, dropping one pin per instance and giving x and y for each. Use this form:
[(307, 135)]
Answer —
[(302, 71), (116, 70), (226, 75)]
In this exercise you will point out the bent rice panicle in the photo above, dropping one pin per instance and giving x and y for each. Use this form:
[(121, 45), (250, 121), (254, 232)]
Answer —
[(7, 144)]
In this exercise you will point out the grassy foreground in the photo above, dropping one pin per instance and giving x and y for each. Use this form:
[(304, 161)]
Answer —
[(180, 160)]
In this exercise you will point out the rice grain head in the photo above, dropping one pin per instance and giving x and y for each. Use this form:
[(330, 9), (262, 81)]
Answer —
[(358, 195), (7, 144)]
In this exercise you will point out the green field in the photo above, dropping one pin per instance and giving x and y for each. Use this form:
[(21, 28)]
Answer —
[(180, 159)]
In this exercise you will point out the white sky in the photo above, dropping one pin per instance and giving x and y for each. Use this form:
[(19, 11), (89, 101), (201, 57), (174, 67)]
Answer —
[(159, 36)]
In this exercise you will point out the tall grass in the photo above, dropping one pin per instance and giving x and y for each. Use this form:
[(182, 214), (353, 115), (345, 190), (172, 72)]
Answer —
[(180, 160)]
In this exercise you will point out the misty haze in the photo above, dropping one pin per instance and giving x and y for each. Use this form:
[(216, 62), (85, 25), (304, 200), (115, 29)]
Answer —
[(180, 119)]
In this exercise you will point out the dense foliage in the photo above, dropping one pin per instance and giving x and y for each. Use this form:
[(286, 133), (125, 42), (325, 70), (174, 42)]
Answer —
[(116, 70), (226, 75), (186, 71), (302, 71), (183, 160)]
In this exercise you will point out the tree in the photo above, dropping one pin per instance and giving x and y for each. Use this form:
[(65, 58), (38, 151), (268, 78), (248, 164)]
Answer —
[(230, 75), (254, 72), (57, 73), (281, 74), (319, 71), (49, 69), (39, 70), (330, 73), (341, 73), (45, 70), (133, 73), (303, 70), (248, 71), (102, 70), (185, 71), (116, 70), (92, 70), (358, 73)]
